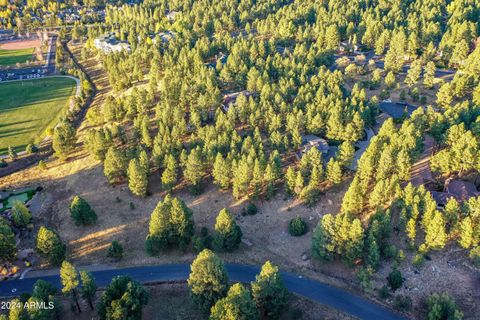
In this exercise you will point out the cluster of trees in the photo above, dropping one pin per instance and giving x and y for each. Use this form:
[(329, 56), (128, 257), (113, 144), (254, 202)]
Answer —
[(460, 222), (171, 224), (208, 285), (50, 246)]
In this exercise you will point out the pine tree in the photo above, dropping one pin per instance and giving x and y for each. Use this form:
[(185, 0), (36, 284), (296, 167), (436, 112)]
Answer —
[(70, 281), (114, 166), (269, 292), (137, 178), (194, 169), (221, 172), (122, 299), (346, 153), (334, 171), (169, 175), (21, 216), (64, 139), (208, 280), (50, 246), (8, 244), (466, 233), (81, 212), (435, 234), (290, 179), (238, 304), (413, 74), (228, 233), (429, 75), (12, 154), (88, 288)]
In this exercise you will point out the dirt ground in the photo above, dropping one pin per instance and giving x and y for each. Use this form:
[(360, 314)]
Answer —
[(22, 44)]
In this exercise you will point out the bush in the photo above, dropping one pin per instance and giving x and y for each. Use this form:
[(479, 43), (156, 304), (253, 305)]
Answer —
[(395, 279), (31, 148), (384, 292), (402, 302), (251, 209), (3, 163), (204, 241), (297, 227), (41, 165), (115, 251), (418, 260), (442, 306), (475, 255)]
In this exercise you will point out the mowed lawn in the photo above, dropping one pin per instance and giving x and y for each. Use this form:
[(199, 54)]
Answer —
[(11, 57), (28, 108)]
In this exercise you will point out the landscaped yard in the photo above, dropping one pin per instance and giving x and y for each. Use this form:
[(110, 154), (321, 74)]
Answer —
[(27, 108), (11, 57)]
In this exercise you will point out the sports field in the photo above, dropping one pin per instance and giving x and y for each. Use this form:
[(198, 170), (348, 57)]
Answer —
[(28, 108), (11, 57)]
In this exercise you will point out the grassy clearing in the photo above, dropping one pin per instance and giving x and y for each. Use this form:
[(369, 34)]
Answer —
[(12, 57), (27, 108)]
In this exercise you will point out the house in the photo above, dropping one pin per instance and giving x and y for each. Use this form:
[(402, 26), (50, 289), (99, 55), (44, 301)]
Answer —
[(108, 43), (310, 141), (396, 109), (460, 190), (231, 98)]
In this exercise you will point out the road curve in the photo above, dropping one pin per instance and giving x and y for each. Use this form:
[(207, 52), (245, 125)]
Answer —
[(337, 298)]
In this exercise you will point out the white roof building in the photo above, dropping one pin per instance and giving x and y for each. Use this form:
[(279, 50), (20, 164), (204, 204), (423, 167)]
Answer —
[(109, 43)]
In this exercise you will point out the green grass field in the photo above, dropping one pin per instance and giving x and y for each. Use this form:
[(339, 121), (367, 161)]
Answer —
[(11, 57), (28, 108)]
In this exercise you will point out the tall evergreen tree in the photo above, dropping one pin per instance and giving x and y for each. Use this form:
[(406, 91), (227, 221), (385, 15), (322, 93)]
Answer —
[(228, 233), (137, 178), (70, 281), (208, 280)]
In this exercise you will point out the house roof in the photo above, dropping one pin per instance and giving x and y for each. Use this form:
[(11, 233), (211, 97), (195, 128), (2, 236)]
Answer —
[(395, 109), (441, 198), (311, 140), (461, 189), (232, 97)]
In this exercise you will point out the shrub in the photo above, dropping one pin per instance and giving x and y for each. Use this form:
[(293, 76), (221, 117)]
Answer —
[(442, 306), (31, 148), (251, 209), (475, 255), (384, 292), (395, 279), (3, 163), (20, 214), (402, 302), (115, 251), (204, 241), (418, 260), (297, 227), (41, 165)]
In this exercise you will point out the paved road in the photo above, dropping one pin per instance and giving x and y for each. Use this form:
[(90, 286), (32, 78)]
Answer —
[(314, 290)]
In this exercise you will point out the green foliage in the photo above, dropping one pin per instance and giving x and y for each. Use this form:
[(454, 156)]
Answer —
[(81, 212), (8, 245), (395, 279), (21, 216), (114, 166), (402, 302), (208, 280), (238, 304), (228, 234), (64, 139), (50, 246), (88, 288), (124, 298), (70, 281), (115, 251), (41, 165), (297, 227), (137, 178), (442, 306), (340, 235), (171, 223), (269, 292)]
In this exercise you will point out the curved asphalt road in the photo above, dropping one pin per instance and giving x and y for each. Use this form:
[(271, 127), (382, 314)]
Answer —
[(314, 290)]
